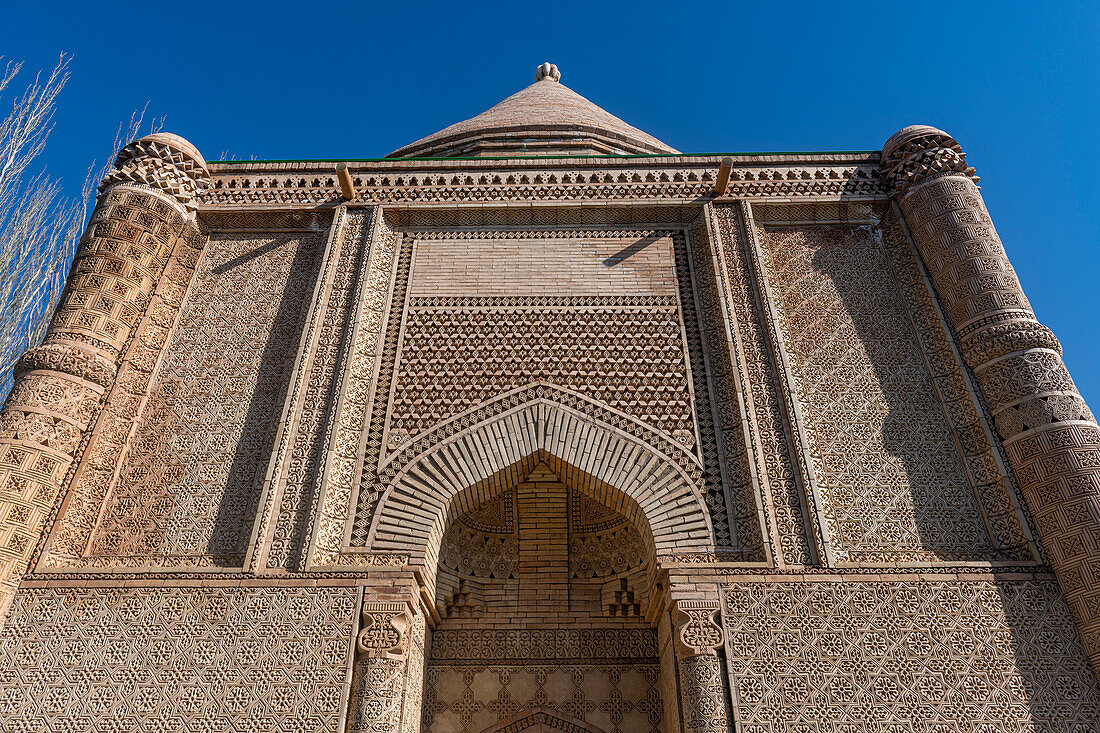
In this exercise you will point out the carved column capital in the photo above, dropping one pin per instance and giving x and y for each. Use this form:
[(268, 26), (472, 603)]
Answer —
[(385, 630), (918, 152), (389, 671), (697, 628), (164, 162), (698, 639)]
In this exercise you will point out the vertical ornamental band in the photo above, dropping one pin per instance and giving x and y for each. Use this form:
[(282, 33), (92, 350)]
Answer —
[(1049, 434), (141, 213)]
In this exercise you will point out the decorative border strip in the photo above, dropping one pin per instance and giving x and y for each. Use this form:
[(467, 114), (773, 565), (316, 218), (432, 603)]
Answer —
[(473, 183), (505, 646)]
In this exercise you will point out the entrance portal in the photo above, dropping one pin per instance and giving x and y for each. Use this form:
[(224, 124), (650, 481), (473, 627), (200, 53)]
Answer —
[(543, 592)]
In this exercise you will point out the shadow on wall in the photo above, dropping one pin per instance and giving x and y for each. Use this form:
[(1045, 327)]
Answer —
[(1041, 652), (310, 476), (627, 252), (1062, 690), (985, 653), (896, 476), (232, 528)]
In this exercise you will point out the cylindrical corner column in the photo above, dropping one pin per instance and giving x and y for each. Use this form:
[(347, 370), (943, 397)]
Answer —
[(141, 213), (1049, 434)]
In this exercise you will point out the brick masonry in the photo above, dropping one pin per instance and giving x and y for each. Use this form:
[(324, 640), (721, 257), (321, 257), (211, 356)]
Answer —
[(572, 444), (635, 266)]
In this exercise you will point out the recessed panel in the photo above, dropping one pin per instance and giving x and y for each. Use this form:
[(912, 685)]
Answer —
[(892, 480)]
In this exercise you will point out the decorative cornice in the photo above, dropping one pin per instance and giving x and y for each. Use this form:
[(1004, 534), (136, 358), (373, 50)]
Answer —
[(558, 162), (564, 180), (165, 162), (919, 152)]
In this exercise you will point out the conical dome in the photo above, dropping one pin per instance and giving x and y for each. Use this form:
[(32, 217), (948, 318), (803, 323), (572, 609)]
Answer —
[(546, 118)]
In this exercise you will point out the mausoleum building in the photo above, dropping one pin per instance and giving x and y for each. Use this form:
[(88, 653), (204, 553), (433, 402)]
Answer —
[(538, 424)]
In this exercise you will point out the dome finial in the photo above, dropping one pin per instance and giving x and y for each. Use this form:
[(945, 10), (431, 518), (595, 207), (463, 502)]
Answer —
[(547, 71)]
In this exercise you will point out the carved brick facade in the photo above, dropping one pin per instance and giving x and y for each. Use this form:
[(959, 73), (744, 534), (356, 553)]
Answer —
[(516, 442)]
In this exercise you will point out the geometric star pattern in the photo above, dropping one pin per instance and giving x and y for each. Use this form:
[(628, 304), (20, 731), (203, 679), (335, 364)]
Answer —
[(175, 659), (883, 454), (895, 657)]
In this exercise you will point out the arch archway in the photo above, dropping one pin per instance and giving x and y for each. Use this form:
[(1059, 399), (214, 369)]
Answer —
[(544, 541), (469, 465), (545, 595), (510, 512)]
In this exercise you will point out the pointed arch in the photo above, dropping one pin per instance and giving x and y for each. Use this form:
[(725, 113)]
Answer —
[(476, 461), (542, 718)]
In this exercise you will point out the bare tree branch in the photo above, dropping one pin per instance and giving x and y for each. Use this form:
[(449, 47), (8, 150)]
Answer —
[(39, 226)]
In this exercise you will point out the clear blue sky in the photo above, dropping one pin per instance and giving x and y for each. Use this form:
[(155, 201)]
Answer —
[(1018, 84)]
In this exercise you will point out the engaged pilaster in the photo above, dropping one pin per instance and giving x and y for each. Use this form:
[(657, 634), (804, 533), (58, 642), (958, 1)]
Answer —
[(1051, 437), (698, 637), (141, 214), (389, 670)]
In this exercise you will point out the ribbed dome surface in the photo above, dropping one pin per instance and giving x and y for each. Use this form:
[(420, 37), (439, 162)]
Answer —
[(546, 118)]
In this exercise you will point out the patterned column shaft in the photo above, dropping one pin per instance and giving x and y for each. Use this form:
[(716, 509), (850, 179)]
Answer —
[(1051, 437), (388, 683), (140, 215), (699, 640)]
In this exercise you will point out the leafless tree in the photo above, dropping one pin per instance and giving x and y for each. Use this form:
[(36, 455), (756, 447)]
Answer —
[(39, 225)]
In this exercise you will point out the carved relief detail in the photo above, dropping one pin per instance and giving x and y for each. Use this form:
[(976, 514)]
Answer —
[(973, 277), (69, 358), (187, 489), (698, 628), (943, 656), (315, 186), (1049, 434), (371, 444), (770, 447), (328, 346), (699, 637), (585, 697), (389, 670), (164, 162), (917, 154), (1006, 517), (731, 441), (478, 679), (563, 644), (350, 419), (629, 354), (892, 482), (173, 658), (1031, 389), (705, 705), (129, 239), (122, 256), (384, 630), (89, 486), (1059, 471)]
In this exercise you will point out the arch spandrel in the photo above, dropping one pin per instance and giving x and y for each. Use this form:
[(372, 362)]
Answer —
[(466, 465)]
